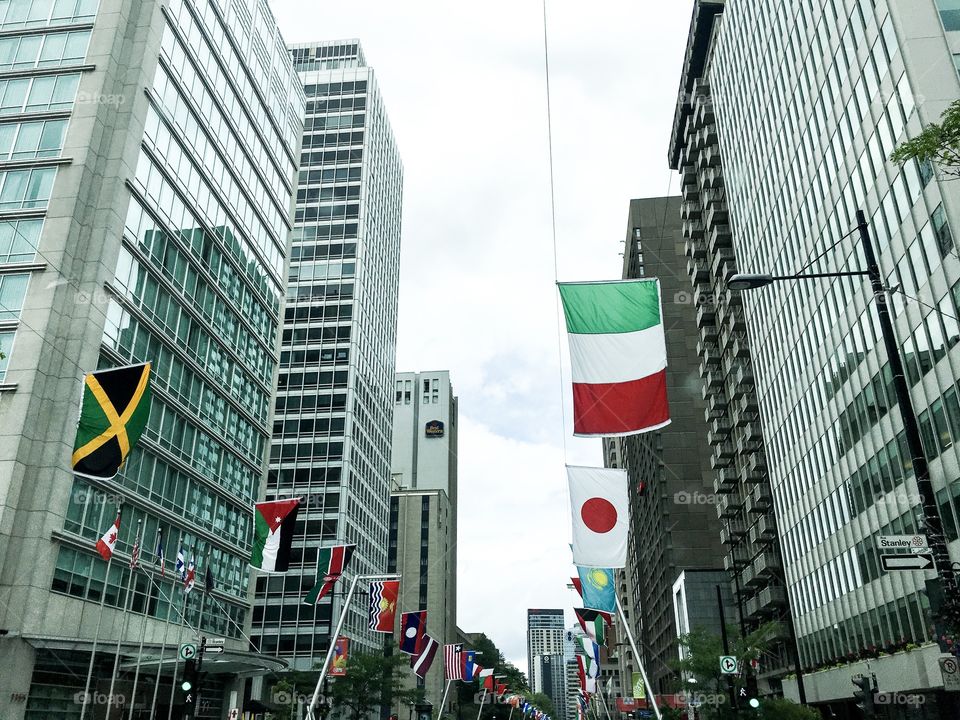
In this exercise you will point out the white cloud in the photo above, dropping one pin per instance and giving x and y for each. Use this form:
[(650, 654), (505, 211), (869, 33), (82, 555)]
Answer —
[(464, 89)]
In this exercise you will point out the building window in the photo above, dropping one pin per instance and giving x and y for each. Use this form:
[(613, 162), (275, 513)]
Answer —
[(23, 52), (18, 240), (949, 14), (941, 229), (6, 345), (19, 141), (13, 288), (38, 13), (23, 189), (51, 92)]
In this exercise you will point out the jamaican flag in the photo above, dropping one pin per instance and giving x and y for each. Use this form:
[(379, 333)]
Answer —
[(113, 414)]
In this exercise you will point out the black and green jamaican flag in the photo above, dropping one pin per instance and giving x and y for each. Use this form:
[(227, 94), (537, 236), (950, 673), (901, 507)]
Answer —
[(113, 414)]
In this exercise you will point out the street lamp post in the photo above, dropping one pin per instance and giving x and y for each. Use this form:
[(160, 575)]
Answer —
[(933, 523)]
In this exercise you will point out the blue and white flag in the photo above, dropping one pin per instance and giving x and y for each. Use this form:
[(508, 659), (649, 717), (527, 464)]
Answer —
[(598, 589)]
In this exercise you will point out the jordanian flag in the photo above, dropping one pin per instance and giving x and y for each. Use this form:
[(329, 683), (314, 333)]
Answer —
[(273, 534), (331, 562), (592, 622), (618, 357), (113, 414)]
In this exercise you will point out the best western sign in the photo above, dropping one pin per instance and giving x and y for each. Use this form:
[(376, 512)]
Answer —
[(434, 428)]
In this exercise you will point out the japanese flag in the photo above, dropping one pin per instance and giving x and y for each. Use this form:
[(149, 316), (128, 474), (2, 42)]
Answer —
[(600, 510)]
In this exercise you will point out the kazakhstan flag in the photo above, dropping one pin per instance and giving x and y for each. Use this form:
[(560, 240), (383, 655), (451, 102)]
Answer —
[(599, 592)]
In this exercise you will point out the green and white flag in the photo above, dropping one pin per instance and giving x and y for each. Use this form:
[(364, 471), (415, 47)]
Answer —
[(618, 356)]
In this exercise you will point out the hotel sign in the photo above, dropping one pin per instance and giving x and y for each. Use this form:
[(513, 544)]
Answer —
[(434, 428)]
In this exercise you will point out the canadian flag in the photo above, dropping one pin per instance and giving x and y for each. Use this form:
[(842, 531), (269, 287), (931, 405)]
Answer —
[(106, 544)]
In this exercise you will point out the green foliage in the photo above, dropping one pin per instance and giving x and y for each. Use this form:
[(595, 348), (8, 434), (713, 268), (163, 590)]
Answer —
[(286, 687), (780, 709), (938, 143), (491, 657), (544, 703), (370, 682)]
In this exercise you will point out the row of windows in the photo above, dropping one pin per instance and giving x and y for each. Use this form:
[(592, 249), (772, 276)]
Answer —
[(332, 270), (336, 192), (321, 233), (949, 14), (332, 139), (49, 93), (18, 240), (328, 212), (40, 13), (26, 189), (334, 122), (337, 88), (21, 52), (311, 403), (28, 140), (297, 380), (312, 358), (316, 476), (319, 252), (307, 427), (329, 157), (335, 292)]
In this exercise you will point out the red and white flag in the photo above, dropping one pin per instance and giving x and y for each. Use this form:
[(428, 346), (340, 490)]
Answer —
[(600, 511), (421, 662), (452, 665), (108, 542)]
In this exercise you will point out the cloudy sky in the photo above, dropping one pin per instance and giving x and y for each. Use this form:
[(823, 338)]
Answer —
[(465, 92)]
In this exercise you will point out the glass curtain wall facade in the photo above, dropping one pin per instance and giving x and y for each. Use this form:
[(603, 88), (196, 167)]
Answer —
[(334, 409), (810, 99), (155, 151)]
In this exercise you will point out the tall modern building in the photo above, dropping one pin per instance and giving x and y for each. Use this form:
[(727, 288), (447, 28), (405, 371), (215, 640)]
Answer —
[(548, 675), (331, 433), (147, 159), (741, 484), (809, 100), (674, 526), (545, 635), (423, 510)]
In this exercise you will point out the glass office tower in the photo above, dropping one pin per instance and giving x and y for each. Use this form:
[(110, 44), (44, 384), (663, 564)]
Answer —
[(148, 157), (334, 410), (810, 99)]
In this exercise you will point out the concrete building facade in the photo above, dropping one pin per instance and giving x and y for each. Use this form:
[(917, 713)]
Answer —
[(148, 158), (331, 434)]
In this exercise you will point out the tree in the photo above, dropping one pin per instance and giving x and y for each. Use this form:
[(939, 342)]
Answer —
[(491, 657), (780, 709), (938, 143), (287, 687), (369, 683), (544, 703)]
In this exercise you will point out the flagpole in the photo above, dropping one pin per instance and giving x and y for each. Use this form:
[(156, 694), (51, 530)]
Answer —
[(96, 637), (443, 703), (636, 653), (606, 708), (176, 659), (143, 633), (123, 623), (336, 634), (511, 712), (163, 647), (482, 698)]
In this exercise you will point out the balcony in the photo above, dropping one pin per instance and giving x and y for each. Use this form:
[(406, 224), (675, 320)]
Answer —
[(717, 404), (690, 211), (698, 271), (757, 462), (706, 314), (750, 578), (747, 403), (690, 192), (739, 347), (719, 459), (744, 376), (712, 178), (766, 527), (745, 447), (710, 157), (712, 382), (751, 433), (729, 506), (725, 481), (773, 597), (693, 229), (759, 500), (720, 427), (767, 563), (723, 264), (708, 354), (718, 216), (751, 608)]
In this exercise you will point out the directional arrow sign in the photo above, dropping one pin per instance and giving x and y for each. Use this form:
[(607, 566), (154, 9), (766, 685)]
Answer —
[(188, 650), (215, 650), (916, 561), (728, 665)]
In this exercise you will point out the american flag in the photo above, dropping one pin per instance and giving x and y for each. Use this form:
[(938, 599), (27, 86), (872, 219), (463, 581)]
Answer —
[(452, 667)]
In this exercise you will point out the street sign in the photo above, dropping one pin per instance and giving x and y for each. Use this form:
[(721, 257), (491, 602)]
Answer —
[(914, 561), (950, 669), (728, 665), (188, 651), (234, 714), (212, 650), (215, 642), (898, 542)]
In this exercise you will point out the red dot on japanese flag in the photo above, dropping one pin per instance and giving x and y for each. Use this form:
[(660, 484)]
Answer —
[(599, 515)]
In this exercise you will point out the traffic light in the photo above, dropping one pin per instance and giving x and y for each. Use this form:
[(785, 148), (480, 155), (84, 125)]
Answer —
[(752, 688), (864, 695), (189, 676)]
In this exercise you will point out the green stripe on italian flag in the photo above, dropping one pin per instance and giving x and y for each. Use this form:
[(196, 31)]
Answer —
[(618, 357)]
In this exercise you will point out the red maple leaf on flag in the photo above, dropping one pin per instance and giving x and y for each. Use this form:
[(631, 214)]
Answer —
[(113, 538)]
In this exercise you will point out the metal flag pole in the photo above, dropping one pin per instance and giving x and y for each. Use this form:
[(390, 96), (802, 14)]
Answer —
[(482, 698), (336, 634), (143, 633), (163, 647), (636, 653), (443, 703), (606, 708), (126, 608), (176, 659), (96, 636), (511, 712)]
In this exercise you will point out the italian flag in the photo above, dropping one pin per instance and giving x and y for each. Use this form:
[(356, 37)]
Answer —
[(618, 357), (273, 534)]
